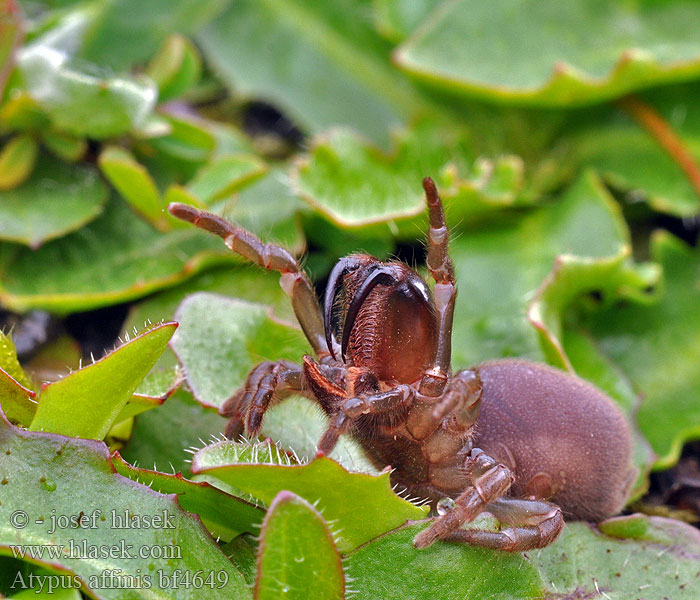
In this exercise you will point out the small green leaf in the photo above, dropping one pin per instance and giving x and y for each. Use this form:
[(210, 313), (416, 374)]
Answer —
[(67, 147), (58, 199), (134, 183), (220, 339), (175, 68), (10, 363), (16, 401), (296, 557), (87, 402), (17, 160), (548, 57), (360, 506), (224, 515), (48, 477), (223, 176), (189, 141)]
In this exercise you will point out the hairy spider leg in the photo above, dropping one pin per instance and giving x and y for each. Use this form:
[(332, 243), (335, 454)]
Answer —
[(491, 481), (535, 524), (268, 381), (444, 292), (293, 279)]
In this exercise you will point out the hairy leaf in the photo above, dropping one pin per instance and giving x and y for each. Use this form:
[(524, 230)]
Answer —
[(360, 506)]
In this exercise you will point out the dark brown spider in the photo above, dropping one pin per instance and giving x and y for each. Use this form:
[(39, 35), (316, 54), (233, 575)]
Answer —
[(521, 440)]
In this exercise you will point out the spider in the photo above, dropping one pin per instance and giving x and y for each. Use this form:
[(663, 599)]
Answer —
[(523, 441)]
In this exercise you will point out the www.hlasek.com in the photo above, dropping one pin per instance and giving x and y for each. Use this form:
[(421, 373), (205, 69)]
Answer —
[(114, 578)]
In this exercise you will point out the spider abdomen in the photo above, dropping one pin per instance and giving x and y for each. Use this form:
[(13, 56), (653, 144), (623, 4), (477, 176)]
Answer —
[(564, 439)]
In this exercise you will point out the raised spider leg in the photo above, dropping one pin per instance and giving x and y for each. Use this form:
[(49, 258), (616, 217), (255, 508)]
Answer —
[(491, 481), (294, 281), (536, 524), (444, 292), (267, 381), (353, 408)]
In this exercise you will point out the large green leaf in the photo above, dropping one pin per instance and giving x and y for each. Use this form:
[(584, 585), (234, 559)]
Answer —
[(500, 267), (224, 515), (79, 102), (391, 568), (360, 506), (220, 339), (116, 258), (180, 423), (88, 402), (534, 52), (47, 478), (355, 184), (657, 348), (580, 564), (122, 33), (632, 161), (316, 60), (58, 199), (297, 558)]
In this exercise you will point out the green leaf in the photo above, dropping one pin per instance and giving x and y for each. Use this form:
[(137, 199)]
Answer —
[(296, 557), (17, 160), (591, 52), (64, 146), (122, 33), (391, 568), (87, 402), (355, 184), (175, 68), (181, 423), (633, 162), (134, 183), (580, 563), (584, 562), (224, 175), (11, 33), (499, 268), (315, 60), (39, 472), (127, 259), (58, 199), (657, 349), (220, 339), (80, 103), (395, 19), (361, 506), (9, 361), (16, 401), (224, 515)]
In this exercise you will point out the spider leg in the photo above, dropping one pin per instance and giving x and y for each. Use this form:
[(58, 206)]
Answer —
[(267, 381), (536, 524), (353, 408), (459, 402), (445, 289), (293, 280), (491, 481)]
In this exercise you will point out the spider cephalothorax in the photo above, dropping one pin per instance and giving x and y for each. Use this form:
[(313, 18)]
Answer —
[(521, 440)]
